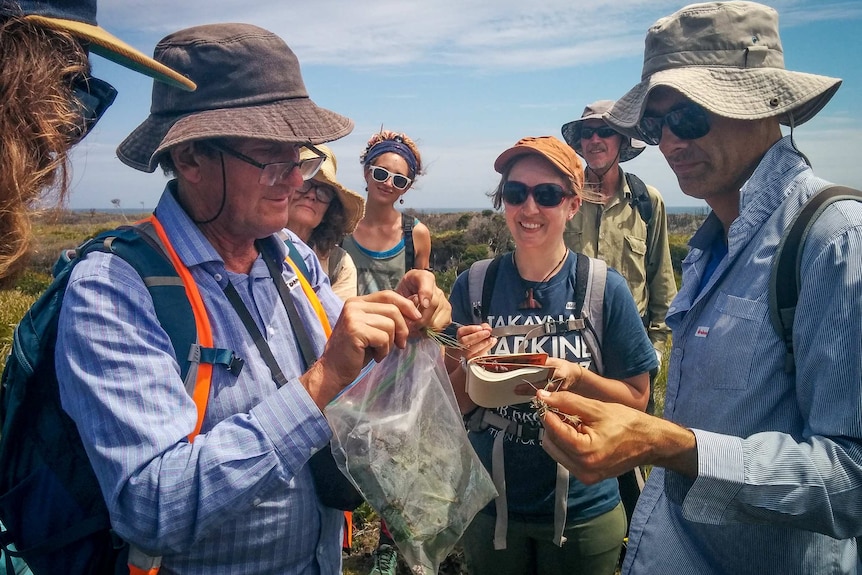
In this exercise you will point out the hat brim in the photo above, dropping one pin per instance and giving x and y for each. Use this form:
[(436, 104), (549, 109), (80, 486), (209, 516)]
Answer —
[(109, 46), (737, 93), (292, 121), (630, 147)]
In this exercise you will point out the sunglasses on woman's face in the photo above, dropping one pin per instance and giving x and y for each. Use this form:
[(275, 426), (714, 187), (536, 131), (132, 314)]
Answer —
[(688, 122), (603, 132), (546, 195), (382, 174), (323, 194)]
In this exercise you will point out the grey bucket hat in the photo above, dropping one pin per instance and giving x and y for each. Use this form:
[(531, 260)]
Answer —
[(249, 85), (629, 148), (727, 57)]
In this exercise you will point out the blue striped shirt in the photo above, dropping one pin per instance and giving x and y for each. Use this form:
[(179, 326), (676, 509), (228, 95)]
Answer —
[(779, 486), (240, 498)]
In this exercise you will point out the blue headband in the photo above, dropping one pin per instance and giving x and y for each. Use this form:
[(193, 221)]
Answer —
[(395, 147)]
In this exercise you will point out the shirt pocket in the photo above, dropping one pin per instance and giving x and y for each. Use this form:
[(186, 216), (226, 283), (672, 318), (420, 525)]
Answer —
[(734, 340), (634, 262)]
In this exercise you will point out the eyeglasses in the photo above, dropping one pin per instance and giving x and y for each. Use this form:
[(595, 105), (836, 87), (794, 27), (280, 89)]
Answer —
[(93, 97), (603, 132), (273, 173), (323, 194), (546, 195), (382, 174), (688, 122)]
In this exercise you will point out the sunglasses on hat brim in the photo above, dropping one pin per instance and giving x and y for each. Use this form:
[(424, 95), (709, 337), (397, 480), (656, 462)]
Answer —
[(688, 122), (93, 97), (546, 195)]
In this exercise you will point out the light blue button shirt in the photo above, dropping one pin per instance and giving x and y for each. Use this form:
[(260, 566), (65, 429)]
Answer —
[(779, 486)]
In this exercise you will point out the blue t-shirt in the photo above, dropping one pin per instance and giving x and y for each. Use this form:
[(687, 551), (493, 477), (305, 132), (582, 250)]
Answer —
[(626, 350)]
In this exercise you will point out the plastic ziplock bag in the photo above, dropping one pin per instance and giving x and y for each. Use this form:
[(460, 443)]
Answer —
[(399, 437)]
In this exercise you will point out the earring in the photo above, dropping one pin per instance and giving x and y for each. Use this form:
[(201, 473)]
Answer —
[(400, 200)]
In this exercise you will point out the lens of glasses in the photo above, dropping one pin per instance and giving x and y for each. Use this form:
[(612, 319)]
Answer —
[(309, 167), (382, 174), (323, 194), (687, 123), (603, 132), (546, 195)]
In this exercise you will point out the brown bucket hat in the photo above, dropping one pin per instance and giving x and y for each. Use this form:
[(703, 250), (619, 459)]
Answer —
[(354, 204), (629, 148), (249, 85), (727, 57)]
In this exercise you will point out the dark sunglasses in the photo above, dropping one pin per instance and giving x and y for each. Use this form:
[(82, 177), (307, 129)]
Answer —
[(382, 174), (688, 122), (272, 173), (322, 194), (93, 97), (603, 132), (546, 195)]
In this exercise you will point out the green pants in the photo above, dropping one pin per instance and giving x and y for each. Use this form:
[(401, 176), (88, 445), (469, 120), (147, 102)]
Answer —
[(592, 547)]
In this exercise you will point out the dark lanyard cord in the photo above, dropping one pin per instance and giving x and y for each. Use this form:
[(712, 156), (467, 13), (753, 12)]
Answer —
[(302, 337)]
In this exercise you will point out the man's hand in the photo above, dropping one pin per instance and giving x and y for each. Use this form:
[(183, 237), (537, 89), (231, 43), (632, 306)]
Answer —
[(368, 328), (419, 286), (612, 438)]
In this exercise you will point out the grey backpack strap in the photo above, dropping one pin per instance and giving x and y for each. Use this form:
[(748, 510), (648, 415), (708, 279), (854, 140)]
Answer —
[(475, 282), (593, 312)]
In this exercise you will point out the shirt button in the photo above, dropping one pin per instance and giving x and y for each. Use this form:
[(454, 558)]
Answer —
[(217, 277), (270, 330)]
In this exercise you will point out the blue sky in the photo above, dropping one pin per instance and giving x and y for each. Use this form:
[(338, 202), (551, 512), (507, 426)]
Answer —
[(465, 79)]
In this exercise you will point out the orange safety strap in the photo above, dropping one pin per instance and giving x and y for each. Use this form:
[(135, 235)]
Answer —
[(347, 539), (203, 380)]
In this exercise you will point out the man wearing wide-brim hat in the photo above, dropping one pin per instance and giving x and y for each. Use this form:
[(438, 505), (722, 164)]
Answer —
[(758, 465), (623, 221), (240, 497)]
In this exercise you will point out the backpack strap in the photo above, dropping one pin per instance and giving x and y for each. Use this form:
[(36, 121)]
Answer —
[(409, 249), (336, 262), (640, 198), (480, 285), (298, 263), (785, 278)]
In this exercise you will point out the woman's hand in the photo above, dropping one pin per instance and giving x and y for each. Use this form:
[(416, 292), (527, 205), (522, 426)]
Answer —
[(476, 339)]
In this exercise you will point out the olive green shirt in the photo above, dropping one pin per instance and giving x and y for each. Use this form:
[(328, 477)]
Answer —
[(617, 233)]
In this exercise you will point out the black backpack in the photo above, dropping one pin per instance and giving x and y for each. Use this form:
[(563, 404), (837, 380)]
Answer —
[(51, 505), (640, 198), (784, 278)]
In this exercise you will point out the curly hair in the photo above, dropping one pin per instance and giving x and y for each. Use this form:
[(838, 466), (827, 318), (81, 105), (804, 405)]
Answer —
[(331, 229), (384, 135), (37, 120)]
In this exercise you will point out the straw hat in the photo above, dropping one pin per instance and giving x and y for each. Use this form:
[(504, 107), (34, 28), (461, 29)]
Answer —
[(249, 86), (629, 148), (354, 204), (553, 150), (727, 57), (78, 17)]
